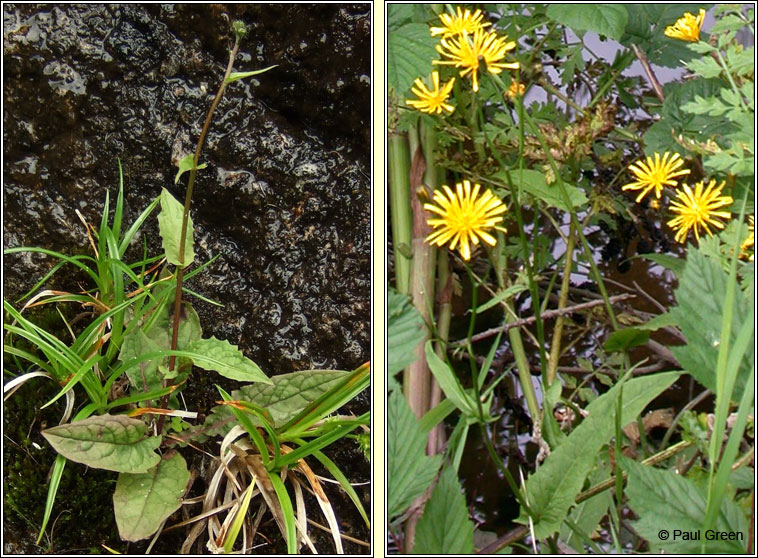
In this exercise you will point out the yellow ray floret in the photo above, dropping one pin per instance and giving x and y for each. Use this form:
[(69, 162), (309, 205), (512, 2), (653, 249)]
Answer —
[(457, 24), (749, 242), (687, 27), (464, 217), (655, 174), (699, 208), (469, 51), (431, 101)]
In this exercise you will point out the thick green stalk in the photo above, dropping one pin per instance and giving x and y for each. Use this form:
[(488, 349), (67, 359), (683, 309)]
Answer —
[(417, 378), (399, 161), (444, 313), (555, 348)]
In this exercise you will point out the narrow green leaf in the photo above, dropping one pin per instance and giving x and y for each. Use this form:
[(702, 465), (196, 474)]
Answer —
[(170, 225), (143, 501), (552, 489), (445, 528), (624, 339), (113, 442), (234, 76), (288, 513), (449, 382), (239, 517), (227, 360), (409, 470), (501, 296), (185, 165)]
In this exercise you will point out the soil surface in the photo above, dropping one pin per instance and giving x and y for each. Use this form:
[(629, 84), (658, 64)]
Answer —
[(284, 202)]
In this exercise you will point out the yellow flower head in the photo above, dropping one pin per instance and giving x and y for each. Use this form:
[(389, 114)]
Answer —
[(431, 101), (468, 51), (698, 209), (655, 174), (515, 90), (457, 24), (464, 217), (749, 241), (687, 27)]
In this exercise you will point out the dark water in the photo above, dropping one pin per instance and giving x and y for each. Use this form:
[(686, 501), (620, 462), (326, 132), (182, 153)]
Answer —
[(285, 200)]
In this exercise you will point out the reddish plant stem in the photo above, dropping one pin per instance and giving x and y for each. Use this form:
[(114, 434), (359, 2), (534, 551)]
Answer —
[(185, 220)]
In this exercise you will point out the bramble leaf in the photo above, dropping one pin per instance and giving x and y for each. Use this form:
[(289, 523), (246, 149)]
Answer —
[(409, 470), (445, 528)]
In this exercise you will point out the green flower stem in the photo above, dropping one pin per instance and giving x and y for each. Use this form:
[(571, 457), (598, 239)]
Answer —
[(555, 348), (185, 219), (588, 252), (399, 162)]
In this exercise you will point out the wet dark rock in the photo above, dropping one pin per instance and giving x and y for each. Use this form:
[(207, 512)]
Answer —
[(285, 199)]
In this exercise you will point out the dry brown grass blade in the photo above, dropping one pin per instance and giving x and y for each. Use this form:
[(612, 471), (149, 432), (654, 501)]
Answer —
[(323, 502), (87, 227), (301, 517), (343, 535)]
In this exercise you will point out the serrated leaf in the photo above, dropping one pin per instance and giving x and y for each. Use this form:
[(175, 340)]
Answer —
[(234, 76), (625, 339), (505, 294), (410, 51), (409, 470), (661, 499), (706, 67), (405, 330), (186, 164), (700, 298), (170, 226), (444, 527), (113, 442), (604, 19), (553, 488), (675, 120), (227, 360), (143, 501), (288, 394)]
